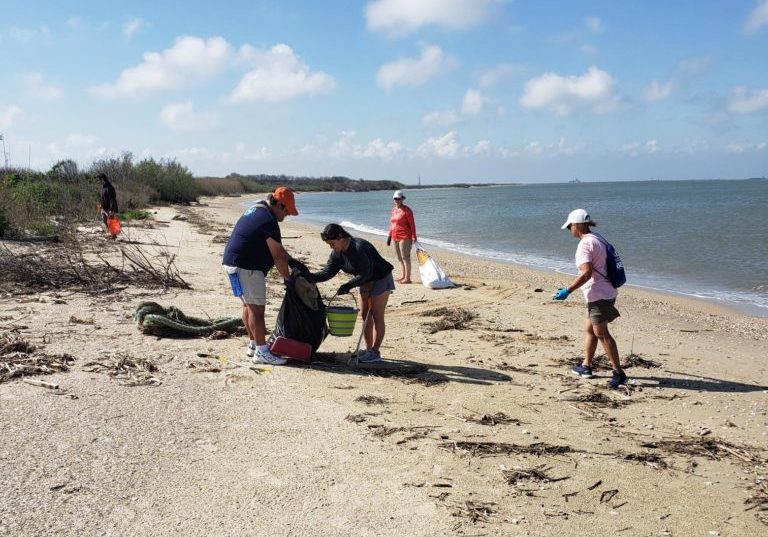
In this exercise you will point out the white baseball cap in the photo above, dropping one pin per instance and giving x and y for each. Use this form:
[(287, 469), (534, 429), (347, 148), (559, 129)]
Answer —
[(398, 195), (577, 216)]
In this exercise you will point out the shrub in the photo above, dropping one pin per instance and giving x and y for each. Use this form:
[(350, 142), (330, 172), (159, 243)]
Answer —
[(219, 186)]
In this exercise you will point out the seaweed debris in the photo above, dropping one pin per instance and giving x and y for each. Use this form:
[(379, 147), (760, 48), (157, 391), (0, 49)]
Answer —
[(450, 319), (484, 449), (129, 371), (18, 358)]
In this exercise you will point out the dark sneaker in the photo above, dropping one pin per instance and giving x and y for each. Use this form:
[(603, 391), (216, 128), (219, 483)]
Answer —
[(619, 378), (584, 371), (369, 357)]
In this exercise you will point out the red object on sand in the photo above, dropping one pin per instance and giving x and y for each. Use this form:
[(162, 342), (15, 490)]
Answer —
[(292, 349), (113, 225)]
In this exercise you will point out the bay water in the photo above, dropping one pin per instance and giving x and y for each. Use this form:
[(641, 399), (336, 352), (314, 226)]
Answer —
[(705, 239)]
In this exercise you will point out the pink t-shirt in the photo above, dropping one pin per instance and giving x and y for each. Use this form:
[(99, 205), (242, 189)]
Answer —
[(591, 250)]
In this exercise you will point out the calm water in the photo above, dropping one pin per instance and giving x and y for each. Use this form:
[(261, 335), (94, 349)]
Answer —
[(707, 239)]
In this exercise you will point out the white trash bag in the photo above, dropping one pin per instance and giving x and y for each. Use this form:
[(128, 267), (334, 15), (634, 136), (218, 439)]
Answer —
[(432, 276)]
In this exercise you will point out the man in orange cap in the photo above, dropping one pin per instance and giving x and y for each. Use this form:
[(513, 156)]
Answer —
[(254, 247)]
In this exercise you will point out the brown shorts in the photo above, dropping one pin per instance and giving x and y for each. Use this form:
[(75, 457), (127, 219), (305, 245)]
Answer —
[(602, 311)]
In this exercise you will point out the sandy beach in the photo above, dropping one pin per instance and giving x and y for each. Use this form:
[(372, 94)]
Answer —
[(494, 436)]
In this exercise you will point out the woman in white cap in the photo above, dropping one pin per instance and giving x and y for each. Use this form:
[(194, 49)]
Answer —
[(402, 229), (591, 261)]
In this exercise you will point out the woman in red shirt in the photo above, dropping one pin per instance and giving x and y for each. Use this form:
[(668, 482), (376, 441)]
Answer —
[(402, 229)]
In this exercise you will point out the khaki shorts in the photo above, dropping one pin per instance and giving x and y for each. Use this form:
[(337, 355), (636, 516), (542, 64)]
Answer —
[(254, 286), (403, 249), (602, 311)]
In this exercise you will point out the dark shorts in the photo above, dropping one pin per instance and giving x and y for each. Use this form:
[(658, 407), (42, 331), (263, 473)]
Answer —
[(378, 287), (602, 311)]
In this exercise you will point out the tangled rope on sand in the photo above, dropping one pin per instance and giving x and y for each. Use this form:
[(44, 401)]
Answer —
[(154, 319)]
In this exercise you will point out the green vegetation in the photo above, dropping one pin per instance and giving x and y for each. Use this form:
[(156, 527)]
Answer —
[(241, 184), (134, 214), (33, 202)]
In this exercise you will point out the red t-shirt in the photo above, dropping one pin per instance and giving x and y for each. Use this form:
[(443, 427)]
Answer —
[(401, 224)]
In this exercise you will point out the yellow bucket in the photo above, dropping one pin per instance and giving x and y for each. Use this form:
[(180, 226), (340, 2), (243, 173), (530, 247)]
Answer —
[(341, 320)]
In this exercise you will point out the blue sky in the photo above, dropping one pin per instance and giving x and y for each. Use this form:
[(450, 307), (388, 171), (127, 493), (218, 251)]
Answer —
[(448, 90)]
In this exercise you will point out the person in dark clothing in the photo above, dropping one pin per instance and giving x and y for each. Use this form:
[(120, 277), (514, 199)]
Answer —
[(108, 200), (371, 272), (254, 247)]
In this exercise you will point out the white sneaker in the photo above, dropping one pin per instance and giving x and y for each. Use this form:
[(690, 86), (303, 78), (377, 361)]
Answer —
[(250, 350), (266, 357)]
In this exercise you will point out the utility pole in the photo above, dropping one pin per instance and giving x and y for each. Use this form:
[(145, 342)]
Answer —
[(5, 155)]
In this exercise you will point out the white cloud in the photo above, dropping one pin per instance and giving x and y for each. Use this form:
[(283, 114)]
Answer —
[(346, 147), (758, 18), (594, 25), (745, 101), (498, 73), (35, 87), (658, 91), (279, 75), (76, 24), (133, 25), (414, 72), (441, 119), (182, 116), (190, 58), (27, 35), (9, 115), (481, 149), (262, 153), (635, 149), (79, 141), (685, 71), (560, 94), (473, 102), (588, 50), (446, 146), (401, 17)]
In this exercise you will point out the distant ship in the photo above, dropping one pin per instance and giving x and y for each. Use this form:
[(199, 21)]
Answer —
[(575, 181)]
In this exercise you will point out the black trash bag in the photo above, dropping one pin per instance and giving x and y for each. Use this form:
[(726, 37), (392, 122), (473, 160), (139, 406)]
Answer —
[(302, 313)]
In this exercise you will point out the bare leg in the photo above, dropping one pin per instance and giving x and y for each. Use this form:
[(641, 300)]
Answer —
[(364, 303), (378, 306), (253, 319), (406, 256), (608, 343), (590, 343), (399, 253)]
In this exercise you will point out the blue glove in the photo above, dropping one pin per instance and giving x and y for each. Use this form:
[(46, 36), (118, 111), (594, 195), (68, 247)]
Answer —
[(344, 289), (561, 294)]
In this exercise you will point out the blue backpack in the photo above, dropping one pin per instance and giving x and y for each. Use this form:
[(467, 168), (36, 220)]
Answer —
[(614, 264)]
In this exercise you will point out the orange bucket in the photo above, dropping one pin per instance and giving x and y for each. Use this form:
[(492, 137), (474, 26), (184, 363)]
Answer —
[(113, 225)]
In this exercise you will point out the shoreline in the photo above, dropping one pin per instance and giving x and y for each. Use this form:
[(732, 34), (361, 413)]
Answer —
[(710, 305)]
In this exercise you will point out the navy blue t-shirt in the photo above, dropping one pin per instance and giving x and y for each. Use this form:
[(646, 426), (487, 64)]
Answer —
[(247, 247)]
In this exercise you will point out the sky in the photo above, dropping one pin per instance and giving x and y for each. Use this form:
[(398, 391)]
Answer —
[(437, 91)]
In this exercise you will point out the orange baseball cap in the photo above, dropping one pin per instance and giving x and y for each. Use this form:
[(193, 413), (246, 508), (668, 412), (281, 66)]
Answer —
[(284, 195)]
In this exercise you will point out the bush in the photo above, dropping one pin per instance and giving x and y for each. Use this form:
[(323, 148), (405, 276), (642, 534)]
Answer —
[(219, 186), (3, 224)]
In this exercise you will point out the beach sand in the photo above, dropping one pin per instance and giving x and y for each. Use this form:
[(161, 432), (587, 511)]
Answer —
[(330, 450)]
